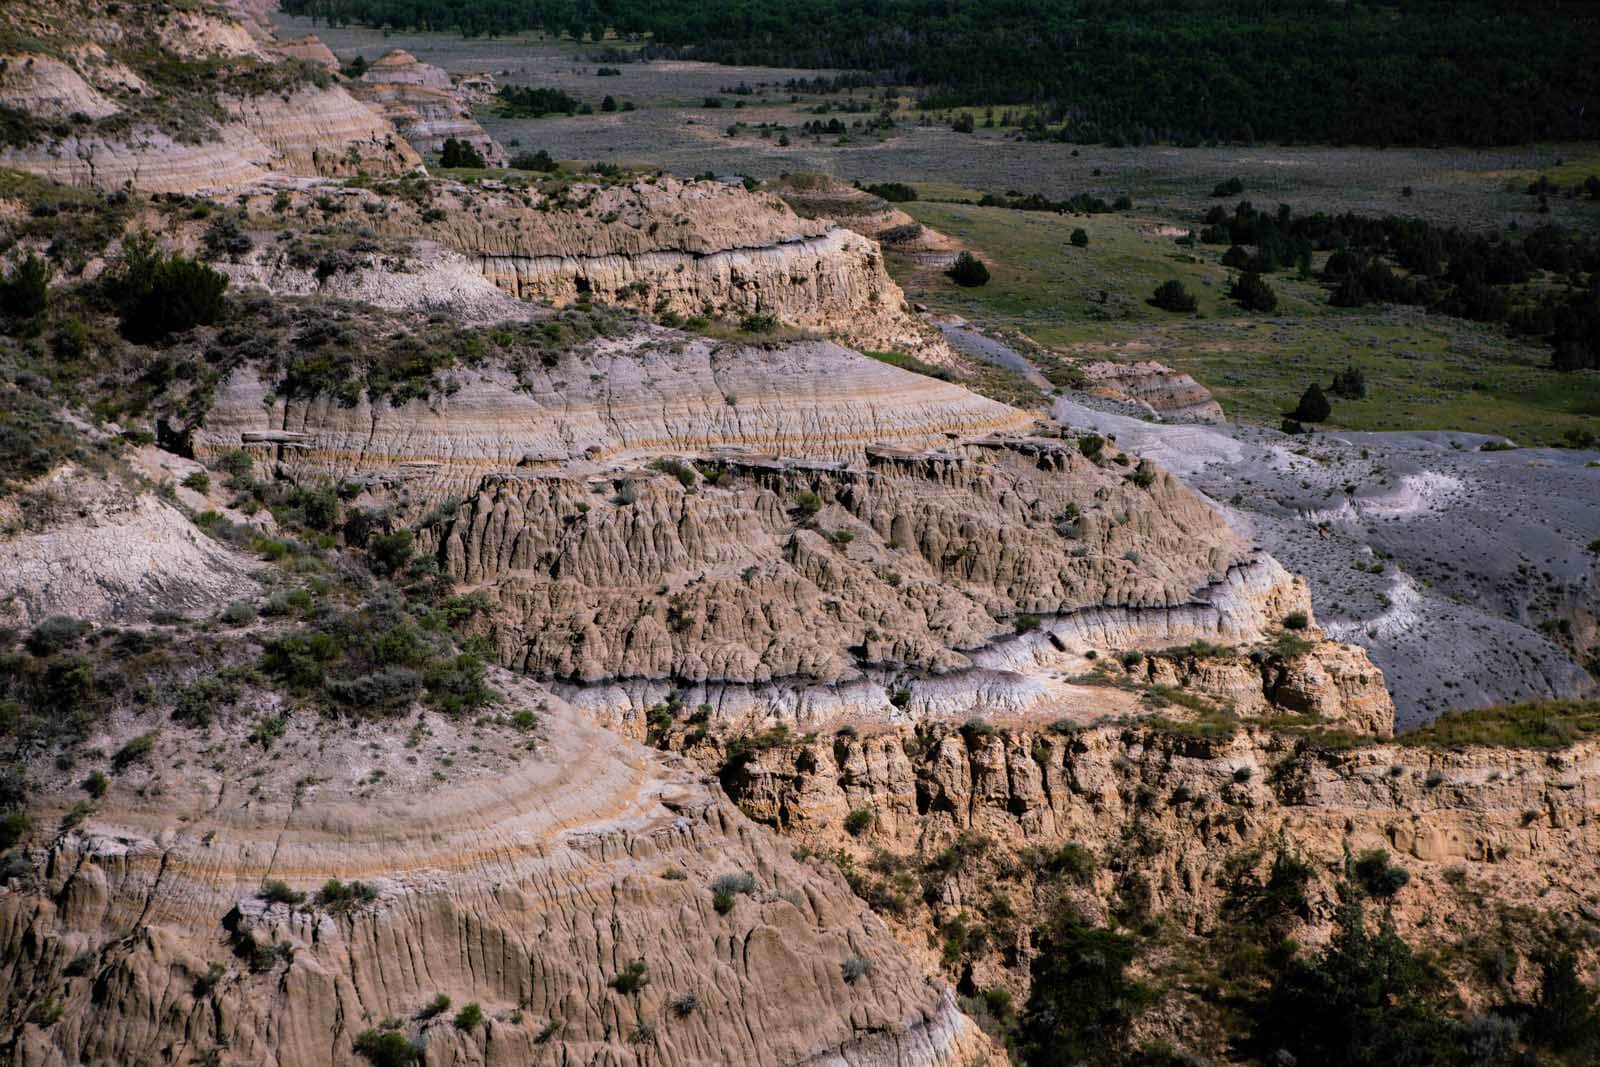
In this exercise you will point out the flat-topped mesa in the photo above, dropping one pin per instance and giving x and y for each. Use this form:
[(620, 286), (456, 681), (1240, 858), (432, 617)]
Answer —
[(585, 409), (424, 105), (524, 881), (100, 113)]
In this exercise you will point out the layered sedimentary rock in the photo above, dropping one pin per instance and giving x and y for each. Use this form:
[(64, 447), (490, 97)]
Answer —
[(422, 103), (816, 196), (1478, 830), (93, 120), (648, 393), (939, 583), (524, 881), (310, 49), (689, 248), (86, 545), (1170, 394)]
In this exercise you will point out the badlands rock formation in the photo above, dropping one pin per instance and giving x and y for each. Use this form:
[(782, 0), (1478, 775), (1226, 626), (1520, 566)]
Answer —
[(657, 246), (1169, 395), (817, 196), (88, 546), (1477, 830), (606, 402), (423, 105), (94, 119), (524, 881)]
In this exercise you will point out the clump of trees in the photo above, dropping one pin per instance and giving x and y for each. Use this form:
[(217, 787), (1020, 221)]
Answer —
[(1252, 293), (894, 192), (1476, 276), (528, 101), (25, 290), (157, 294), (456, 153), (1385, 74), (1313, 406)]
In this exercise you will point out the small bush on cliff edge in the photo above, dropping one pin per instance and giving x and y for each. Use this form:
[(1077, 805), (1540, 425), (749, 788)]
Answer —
[(387, 1048)]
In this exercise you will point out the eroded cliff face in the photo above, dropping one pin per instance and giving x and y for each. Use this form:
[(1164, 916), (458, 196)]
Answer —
[(778, 569), (1170, 817), (422, 103), (645, 392), (817, 196), (94, 120), (524, 880)]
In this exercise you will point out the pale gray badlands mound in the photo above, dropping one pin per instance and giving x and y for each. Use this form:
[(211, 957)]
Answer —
[(1467, 574)]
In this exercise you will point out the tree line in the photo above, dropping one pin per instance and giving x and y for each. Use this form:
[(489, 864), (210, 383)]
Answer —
[(1364, 72), (1483, 277)]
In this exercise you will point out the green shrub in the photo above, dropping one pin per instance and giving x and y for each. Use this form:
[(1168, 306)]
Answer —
[(1091, 445), (205, 983), (456, 153), (855, 968), (388, 553), (743, 882), (239, 613), (135, 751), (1313, 406), (1026, 624), (1379, 877), (536, 161), (894, 192), (858, 822), (469, 1017), (1172, 296), (199, 481), (25, 290), (1296, 620), (158, 294), (968, 271), (684, 1005), (278, 892), (14, 827), (340, 897), (435, 1007), (1251, 292), (96, 784), (55, 634), (806, 505), (631, 979), (387, 1048), (1080, 238)]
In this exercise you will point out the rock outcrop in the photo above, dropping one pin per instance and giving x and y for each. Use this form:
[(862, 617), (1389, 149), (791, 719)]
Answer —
[(91, 547), (1174, 817), (602, 404), (100, 114), (525, 882), (1168, 394), (422, 103), (817, 196)]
